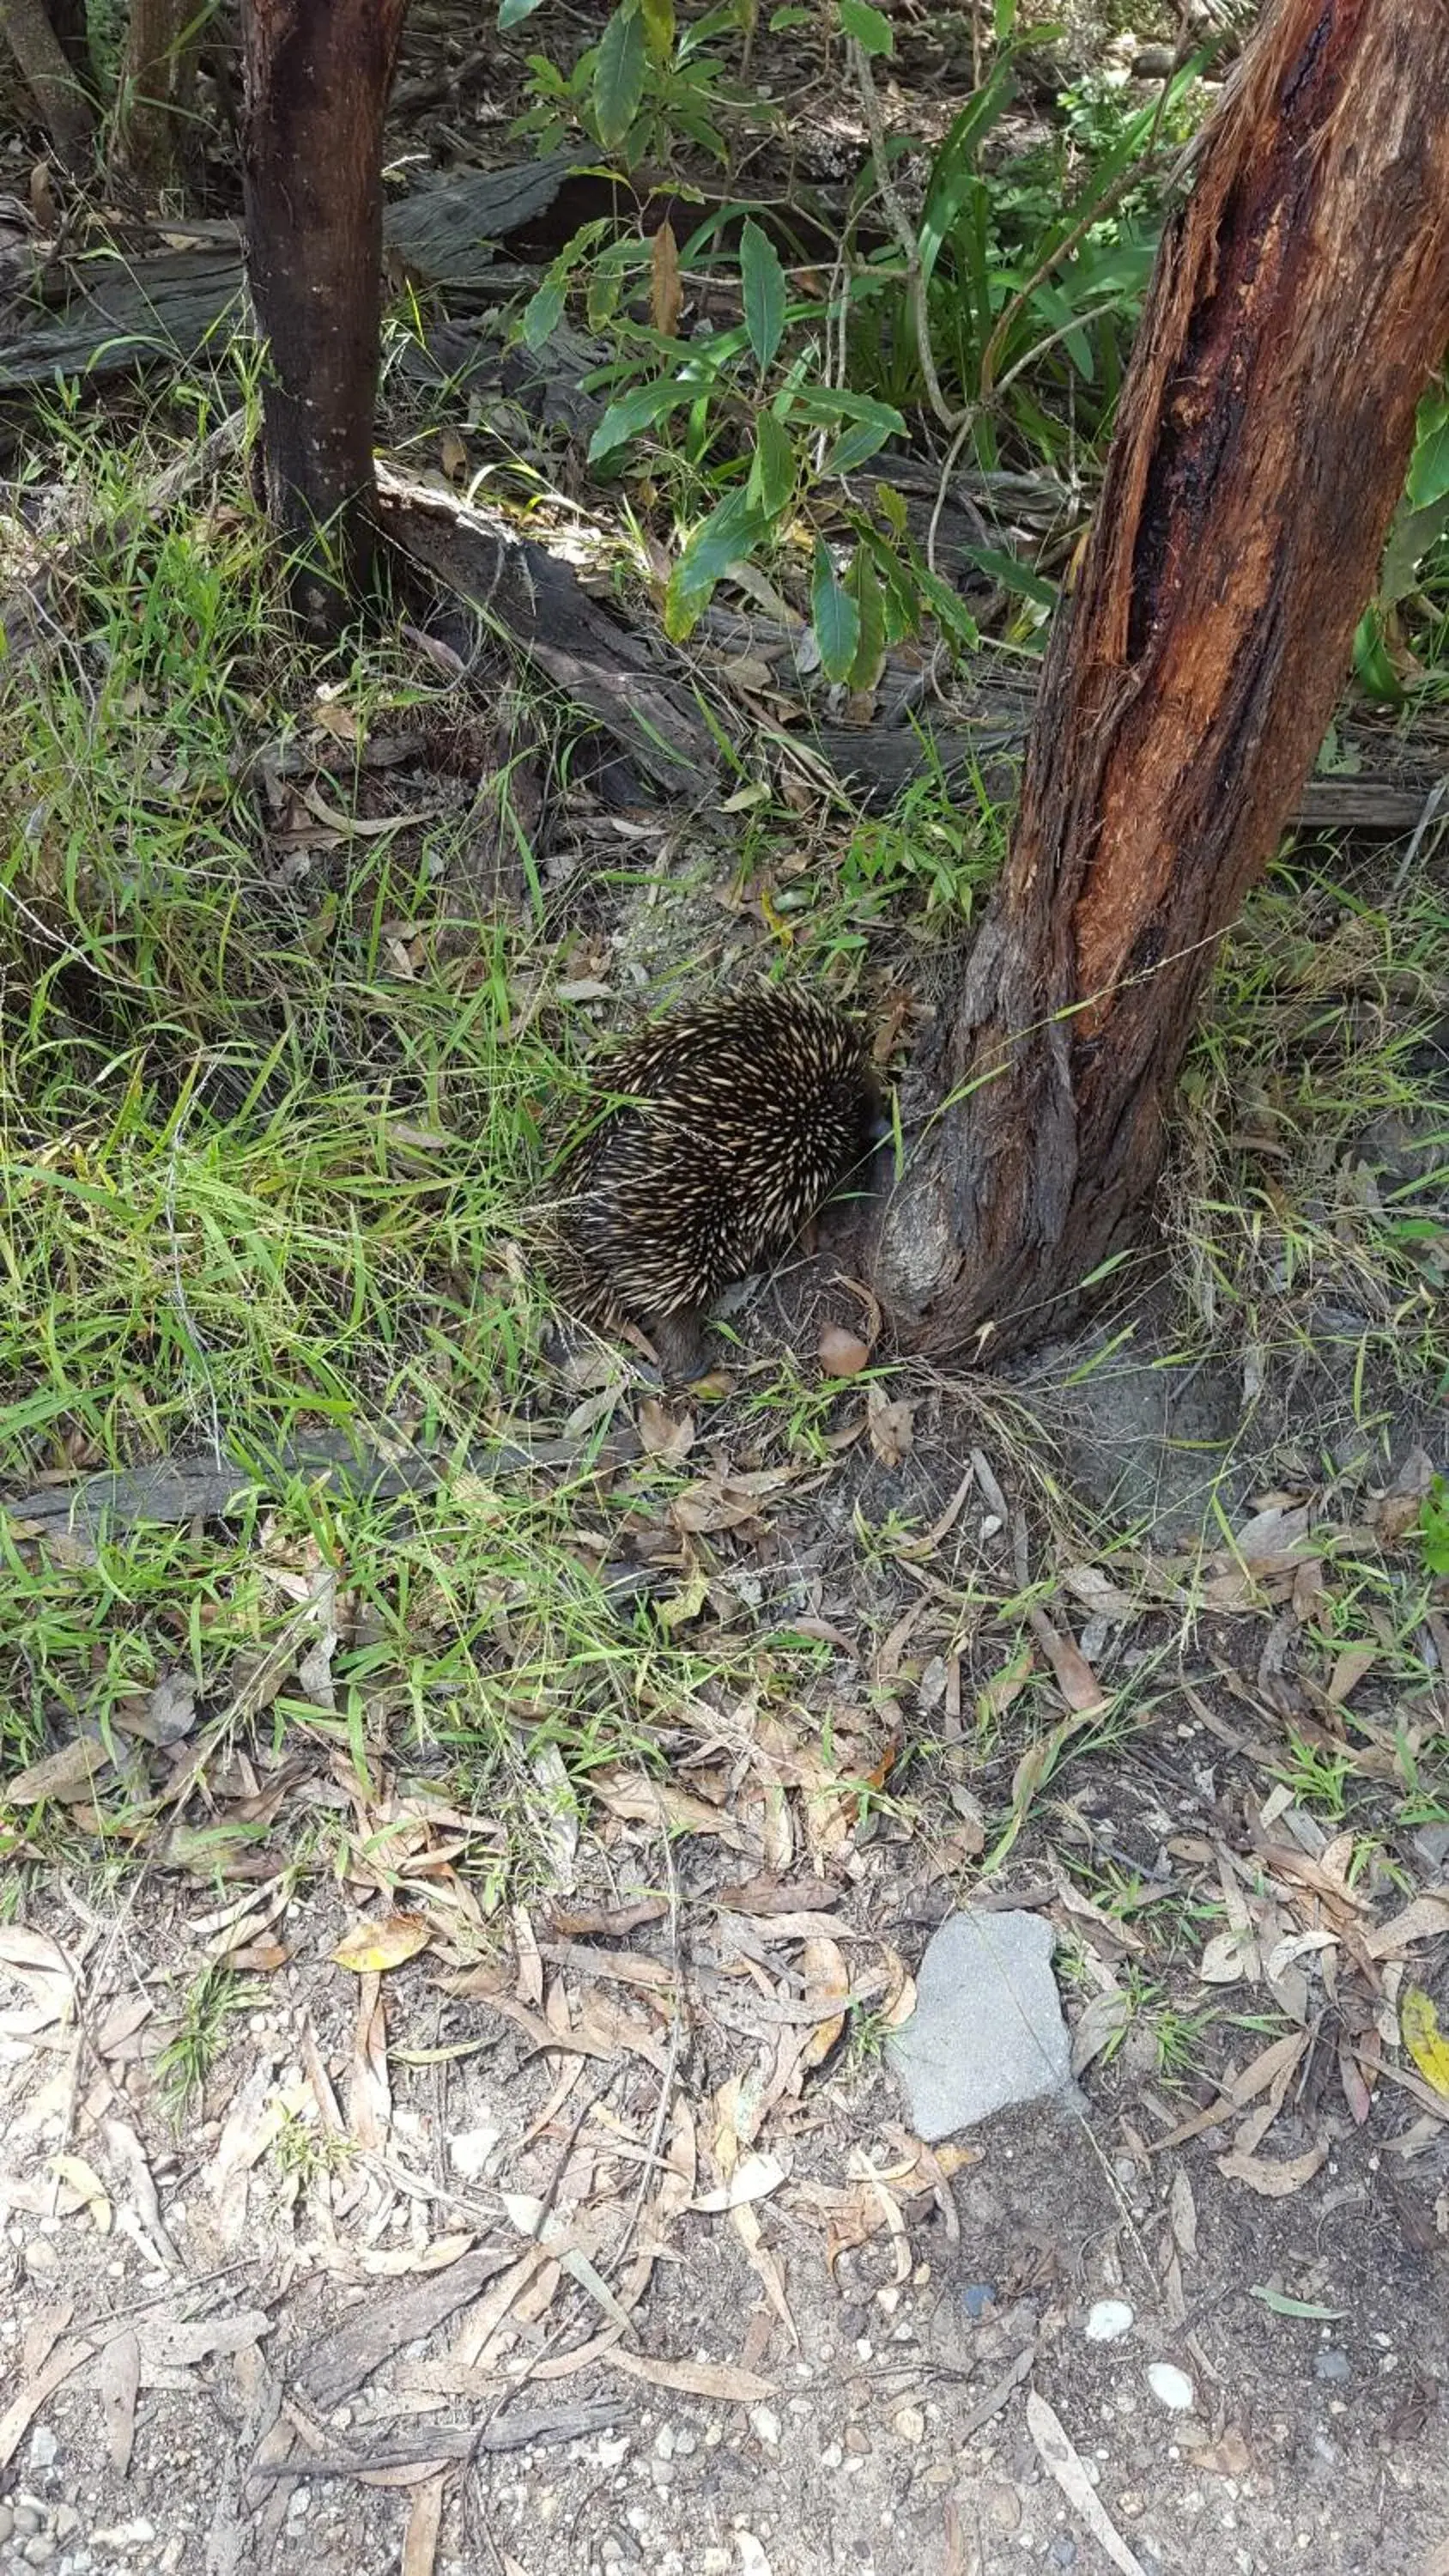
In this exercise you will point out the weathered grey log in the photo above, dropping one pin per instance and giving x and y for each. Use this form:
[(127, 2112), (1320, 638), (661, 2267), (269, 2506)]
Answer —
[(184, 1489), (126, 314), (597, 661), (878, 761)]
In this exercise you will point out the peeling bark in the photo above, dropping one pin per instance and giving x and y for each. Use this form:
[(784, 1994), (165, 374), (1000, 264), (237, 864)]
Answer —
[(1300, 303)]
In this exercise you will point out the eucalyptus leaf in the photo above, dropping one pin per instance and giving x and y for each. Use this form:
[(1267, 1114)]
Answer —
[(763, 281), (619, 73), (834, 617), (870, 27)]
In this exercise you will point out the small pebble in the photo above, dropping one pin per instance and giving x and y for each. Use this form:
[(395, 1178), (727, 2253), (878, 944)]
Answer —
[(1108, 2319), (1171, 2387), (1063, 2551), (43, 2447), (765, 2425), (39, 2551), (7, 2524), (976, 2298), (1332, 2365), (910, 2424)]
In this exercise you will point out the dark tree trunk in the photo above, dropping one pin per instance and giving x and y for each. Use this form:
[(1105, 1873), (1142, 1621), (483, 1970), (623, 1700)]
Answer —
[(318, 73), (1300, 303)]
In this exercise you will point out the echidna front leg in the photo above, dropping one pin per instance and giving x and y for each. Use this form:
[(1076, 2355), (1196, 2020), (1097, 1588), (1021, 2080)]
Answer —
[(680, 1342)]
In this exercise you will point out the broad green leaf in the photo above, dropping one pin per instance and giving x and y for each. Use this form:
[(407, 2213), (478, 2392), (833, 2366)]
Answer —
[(834, 616), (855, 444), (763, 280), (871, 29), (830, 407), (948, 608), (1412, 534), (732, 529), (619, 73), (1429, 470), (543, 312), (863, 582), (1372, 668), (1012, 574), (658, 17), (640, 408), (511, 13), (772, 474)]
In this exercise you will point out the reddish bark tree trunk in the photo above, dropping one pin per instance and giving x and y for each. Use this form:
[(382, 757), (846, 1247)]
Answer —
[(1300, 303), (318, 73)]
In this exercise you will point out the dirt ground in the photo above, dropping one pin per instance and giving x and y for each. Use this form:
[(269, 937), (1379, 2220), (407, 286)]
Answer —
[(409, 2165), (300, 2317)]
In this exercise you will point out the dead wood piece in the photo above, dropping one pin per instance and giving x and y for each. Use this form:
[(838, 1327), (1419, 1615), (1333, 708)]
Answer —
[(515, 2431), (178, 1489), (878, 761), (599, 663), (338, 2363), (126, 315)]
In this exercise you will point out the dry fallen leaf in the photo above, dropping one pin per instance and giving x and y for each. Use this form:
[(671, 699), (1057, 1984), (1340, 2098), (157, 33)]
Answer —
[(1423, 2038), (996, 1697), (826, 1977), (1422, 1920), (94, 2197), (754, 2178), (369, 1949), (1074, 1676), (661, 1436), (28, 2400), (424, 2526), (119, 2380), (1058, 2454), (659, 1803), (891, 1426), (369, 2097), (842, 1353), (1272, 2181), (720, 2380), (666, 286)]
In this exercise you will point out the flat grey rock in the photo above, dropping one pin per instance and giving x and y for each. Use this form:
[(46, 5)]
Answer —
[(987, 2030)]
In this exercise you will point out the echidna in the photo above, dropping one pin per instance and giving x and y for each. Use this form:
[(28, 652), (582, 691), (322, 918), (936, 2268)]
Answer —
[(733, 1121)]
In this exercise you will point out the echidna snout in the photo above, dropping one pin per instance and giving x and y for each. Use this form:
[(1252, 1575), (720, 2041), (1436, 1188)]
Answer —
[(733, 1122)]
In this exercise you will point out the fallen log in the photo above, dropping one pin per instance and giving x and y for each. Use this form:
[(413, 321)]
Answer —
[(126, 315)]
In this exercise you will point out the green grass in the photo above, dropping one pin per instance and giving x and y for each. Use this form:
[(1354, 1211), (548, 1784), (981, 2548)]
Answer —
[(272, 1136)]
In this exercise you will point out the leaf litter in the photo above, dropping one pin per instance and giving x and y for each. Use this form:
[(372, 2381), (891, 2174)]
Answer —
[(679, 2016)]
